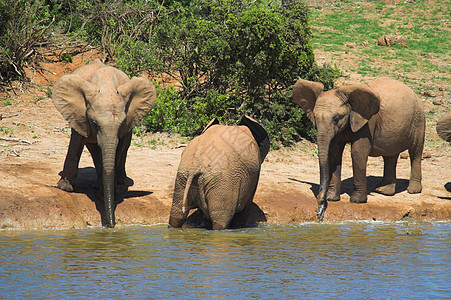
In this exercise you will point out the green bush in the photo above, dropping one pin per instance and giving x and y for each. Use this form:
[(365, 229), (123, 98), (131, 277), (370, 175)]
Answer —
[(227, 57), (232, 58)]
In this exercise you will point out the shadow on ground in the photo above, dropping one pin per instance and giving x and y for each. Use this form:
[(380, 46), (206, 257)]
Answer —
[(347, 187), (86, 183)]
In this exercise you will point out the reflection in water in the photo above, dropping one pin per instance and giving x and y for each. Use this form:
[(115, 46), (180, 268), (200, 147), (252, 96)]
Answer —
[(351, 260)]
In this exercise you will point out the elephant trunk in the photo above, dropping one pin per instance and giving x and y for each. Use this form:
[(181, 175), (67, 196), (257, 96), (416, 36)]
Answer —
[(324, 140), (109, 159)]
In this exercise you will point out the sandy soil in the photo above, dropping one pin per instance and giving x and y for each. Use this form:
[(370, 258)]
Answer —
[(33, 144)]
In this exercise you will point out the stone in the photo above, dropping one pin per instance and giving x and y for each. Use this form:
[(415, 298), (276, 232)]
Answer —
[(427, 154), (429, 93), (391, 39), (437, 101)]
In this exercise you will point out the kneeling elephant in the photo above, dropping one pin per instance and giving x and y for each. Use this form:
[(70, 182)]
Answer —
[(219, 172)]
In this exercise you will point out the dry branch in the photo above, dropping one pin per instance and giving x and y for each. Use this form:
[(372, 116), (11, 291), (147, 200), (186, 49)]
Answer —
[(10, 139)]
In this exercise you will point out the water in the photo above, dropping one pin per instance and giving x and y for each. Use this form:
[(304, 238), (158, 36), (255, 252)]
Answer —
[(320, 261)]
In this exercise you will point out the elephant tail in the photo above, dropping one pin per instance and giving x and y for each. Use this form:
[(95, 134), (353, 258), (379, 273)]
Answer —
[(185, 206)]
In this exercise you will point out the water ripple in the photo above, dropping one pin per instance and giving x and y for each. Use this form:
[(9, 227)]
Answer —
[(352, 260)]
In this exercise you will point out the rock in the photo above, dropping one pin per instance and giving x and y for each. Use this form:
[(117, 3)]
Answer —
[(441, 88), (404, 155), (427, 154), (429, 93), (383, 41), (391, 39), (400, 39), (437, 101), (365, 43), (350, 45)]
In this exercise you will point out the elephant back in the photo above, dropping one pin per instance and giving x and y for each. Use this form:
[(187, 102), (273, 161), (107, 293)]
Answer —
[(220, 146)]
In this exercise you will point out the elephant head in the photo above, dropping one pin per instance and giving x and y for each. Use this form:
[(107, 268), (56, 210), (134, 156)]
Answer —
[(331, 112), (102, 104)]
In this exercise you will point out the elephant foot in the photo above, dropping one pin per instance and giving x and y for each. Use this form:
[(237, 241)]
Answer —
[(65, 185), (175, 222), (388, 189), (333, 195), (358, 197), (414, 187), (218, 226), (125, 181)]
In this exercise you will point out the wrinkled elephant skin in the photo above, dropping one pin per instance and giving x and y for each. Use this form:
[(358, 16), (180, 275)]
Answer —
[(219, 172), (444, 127), (102, 105), (382, 118)]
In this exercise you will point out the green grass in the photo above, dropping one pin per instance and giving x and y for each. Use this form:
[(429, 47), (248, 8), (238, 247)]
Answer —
[(426, 26), (6, 130)]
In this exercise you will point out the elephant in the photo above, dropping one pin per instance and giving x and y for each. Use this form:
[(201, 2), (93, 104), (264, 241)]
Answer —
[(382, 118), (219, 172), (102, 105), (444, 127)]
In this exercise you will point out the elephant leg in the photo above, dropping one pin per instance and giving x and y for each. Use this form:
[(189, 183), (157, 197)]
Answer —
[(415, 154), (360, 150), (335, 159), (388, 184), (70, 169), (221, 207), (121, 156), (221, 217), (96, 155)]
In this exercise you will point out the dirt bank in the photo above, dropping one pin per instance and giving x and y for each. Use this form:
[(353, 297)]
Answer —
[(34, 139)]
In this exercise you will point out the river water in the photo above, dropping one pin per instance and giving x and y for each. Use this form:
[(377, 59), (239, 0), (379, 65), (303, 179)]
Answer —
[(354, 260)]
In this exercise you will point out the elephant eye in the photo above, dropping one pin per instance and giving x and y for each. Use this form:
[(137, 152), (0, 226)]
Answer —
[(336, 118)]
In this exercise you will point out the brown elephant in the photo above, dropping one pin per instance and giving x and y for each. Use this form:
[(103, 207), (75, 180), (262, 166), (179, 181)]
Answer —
[(219, 172), (382, 118), (444, 127), (102, 105)]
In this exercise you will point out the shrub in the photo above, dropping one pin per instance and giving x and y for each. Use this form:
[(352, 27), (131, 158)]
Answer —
[(236, 57), (23, 25), (227, 57)]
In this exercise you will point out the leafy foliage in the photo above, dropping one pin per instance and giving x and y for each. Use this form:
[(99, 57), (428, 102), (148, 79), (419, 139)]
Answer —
[(23, 26), (236, 57), (223, 58)]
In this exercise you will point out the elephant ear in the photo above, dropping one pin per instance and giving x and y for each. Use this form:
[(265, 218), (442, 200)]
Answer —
[(140, 95), (364, 101), (444, 127), (70, 94), (259, 133), (305, 94), (215, 121)]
